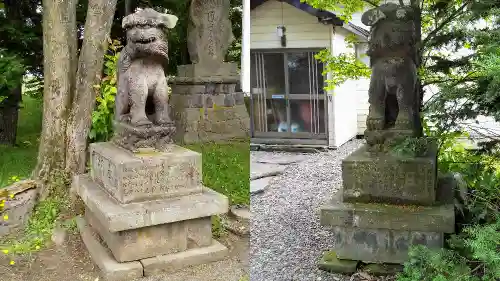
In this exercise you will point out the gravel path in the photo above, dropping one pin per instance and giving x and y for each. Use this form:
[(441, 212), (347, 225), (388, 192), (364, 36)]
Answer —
[(286, 238)]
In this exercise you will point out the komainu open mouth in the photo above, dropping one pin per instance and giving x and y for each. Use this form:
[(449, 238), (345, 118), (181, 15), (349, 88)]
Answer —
[(145, 40)]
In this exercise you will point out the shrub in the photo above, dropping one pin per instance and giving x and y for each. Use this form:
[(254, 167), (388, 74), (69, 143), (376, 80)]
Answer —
[(102, 117), (473, 254)]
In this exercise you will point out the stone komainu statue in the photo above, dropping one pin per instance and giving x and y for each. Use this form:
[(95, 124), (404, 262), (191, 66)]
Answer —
[(393, 94), (141, 73)]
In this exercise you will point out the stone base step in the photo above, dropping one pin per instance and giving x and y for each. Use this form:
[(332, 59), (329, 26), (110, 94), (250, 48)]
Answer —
[(120, 217), (112, 270), (331, 263), (439, 218), (381, 245)]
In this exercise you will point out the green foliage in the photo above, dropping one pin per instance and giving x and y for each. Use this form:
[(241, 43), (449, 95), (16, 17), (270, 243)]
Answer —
[(342, 68), (481, 174), (473, 253), (38, 230), (33, 87), (19, 160), (344, 8), (11, 71), (475, 257), (226, 167), (234, 52), (21, 32), (102, 117), (484, 243), (411, 146), (218, 229), (438, 265)]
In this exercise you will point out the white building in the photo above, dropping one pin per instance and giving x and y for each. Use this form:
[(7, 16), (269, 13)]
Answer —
[(289, 104)]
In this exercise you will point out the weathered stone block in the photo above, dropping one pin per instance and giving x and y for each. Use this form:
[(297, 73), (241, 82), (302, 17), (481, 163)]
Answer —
[(192, 257), (229, 100), (200, 231), (141, 243), (130, 177), (18, 208), (111, 270), (440, 218), (239, 98), (381, 245), (195, 70), (211, 124), (329, 262), (118, 217), (386, 178)]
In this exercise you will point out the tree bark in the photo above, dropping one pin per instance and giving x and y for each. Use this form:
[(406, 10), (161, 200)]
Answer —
[(128, 7), (97, 28), (9, 112), (59, 22)]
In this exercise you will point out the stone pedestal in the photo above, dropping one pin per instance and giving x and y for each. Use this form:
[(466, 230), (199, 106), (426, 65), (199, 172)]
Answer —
[(135, 138), (386, 178), (387, 204), (147, 213), (206, 106)]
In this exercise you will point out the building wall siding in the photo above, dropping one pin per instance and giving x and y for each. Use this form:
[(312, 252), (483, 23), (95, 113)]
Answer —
[(302, 29), (344, 96)]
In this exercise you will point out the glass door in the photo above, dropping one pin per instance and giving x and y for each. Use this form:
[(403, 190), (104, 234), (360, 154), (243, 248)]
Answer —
[(306, 95), (268, 94), (288, 100)]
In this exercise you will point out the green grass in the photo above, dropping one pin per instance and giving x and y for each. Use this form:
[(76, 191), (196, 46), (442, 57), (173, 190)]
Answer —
[(21, 159), (226, 169)]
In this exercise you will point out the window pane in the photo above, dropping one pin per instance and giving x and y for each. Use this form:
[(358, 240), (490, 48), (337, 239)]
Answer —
[(307, 116), (269, 115), (302, 69), (268, 92), (267, 73)]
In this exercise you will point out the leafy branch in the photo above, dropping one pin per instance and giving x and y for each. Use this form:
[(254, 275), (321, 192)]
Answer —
[(446, 21), (342, 68)]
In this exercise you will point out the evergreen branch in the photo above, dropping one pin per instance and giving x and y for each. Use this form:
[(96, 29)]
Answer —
[(371, 3), (458, 81), (444, 23)]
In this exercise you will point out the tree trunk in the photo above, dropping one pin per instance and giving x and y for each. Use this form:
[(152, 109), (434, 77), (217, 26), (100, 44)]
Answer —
[(9, 112), (128, 7), (97, 28), (8, 125), (59, 24)]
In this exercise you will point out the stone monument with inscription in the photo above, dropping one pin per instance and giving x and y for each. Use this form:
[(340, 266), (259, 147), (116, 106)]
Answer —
[(390, 200), (146, 210), (205, 102)]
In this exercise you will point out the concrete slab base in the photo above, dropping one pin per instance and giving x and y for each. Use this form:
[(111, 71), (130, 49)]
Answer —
[(119, 217), (111, 270), (192, 257), (438, 218), (381, 245)]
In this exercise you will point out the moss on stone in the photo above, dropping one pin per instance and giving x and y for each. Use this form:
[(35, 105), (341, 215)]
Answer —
[(329, 262)]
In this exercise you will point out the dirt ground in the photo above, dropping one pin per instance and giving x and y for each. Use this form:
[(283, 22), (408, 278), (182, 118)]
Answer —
[(71, 261)]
